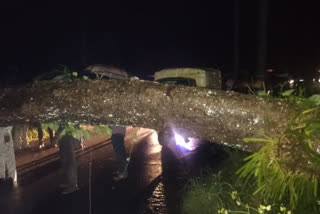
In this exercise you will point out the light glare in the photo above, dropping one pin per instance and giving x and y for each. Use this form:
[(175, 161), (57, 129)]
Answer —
[(181, 142)]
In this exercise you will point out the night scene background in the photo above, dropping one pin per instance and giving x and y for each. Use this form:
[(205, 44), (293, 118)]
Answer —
[(148, 36), (245, 39)]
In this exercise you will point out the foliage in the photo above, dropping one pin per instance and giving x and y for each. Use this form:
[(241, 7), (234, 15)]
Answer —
[(246, 208), (210, 194), (288, 167), (99, 76), (206, 195), (75, 130), (65, 70), (261, 92), (53, 125), (316, 99), (102, 129)]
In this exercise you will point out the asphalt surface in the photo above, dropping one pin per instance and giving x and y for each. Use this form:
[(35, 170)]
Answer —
[(147, 190)]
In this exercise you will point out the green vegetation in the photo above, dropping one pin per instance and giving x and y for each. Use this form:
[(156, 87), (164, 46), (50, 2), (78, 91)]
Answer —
[(221, 192), (210, 195), (76, 130), (212, 192), (283, 177), (206, 195), (288, 167)]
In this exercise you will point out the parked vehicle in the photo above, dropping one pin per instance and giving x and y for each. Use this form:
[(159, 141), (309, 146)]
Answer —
[(198, 77), (91, 72), (107, 72)]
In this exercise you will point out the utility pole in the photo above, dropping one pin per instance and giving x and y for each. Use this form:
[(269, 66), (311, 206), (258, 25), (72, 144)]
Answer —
[(236, 38), (262, 39)]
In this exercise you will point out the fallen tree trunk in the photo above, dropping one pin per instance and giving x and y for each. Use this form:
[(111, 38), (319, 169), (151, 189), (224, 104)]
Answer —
[(219, 116)]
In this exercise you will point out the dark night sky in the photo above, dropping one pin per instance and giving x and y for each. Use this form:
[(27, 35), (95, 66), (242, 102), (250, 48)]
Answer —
[(144, 38)]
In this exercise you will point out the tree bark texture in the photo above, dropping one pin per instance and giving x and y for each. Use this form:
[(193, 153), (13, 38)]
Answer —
[(214, 115)]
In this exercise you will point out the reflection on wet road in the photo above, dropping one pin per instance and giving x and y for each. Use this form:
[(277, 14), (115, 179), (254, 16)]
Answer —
[(156, 202), (143, 192)]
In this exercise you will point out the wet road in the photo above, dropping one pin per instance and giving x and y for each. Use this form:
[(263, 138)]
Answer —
[(147, 189)]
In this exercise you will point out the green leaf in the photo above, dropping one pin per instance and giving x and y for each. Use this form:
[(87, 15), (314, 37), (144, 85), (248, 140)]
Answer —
[(315, 186), (316, 99), (97, 129), (250, 90), (54, 126), (309, 110), (102, 130), (44, 125), (109, 131), (86, 133), (63, 132), (85, 77), (287, 93), (76, 134), (75, 74), (313, 127), (69, 129), (262, 93)]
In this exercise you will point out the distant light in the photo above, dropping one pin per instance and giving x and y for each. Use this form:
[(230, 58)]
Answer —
[(270, 70), (291, 81), (301, 80), (313, 79), (319, 80)]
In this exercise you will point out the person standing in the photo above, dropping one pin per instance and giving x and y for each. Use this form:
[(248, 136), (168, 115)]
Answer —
[(68, 164), (117, 138), (7, 157), (40, 136)]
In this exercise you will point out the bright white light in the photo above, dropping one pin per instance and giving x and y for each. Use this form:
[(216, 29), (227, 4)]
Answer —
[(156, 147), (181, 142), (319, 80), (313, 79), (301, 80), (291, 81), (15, 179)]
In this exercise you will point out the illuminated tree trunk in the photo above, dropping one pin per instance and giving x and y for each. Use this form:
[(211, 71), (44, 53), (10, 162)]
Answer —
[(214, 115)]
